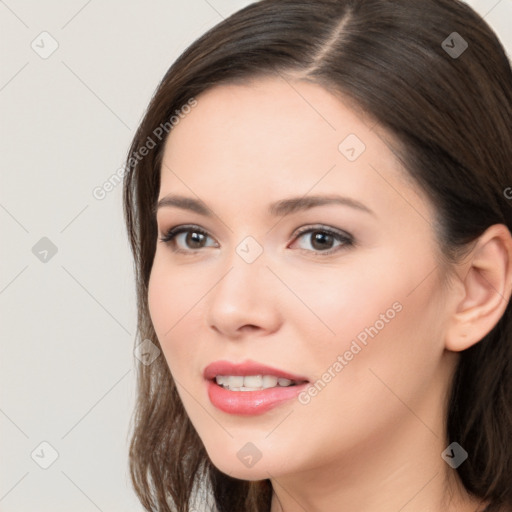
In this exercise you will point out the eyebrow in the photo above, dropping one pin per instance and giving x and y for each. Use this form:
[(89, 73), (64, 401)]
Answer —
[(279, 208)]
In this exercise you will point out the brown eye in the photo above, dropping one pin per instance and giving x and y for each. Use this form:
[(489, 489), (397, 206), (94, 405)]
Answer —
[(194, 240), (323, 240), (186, 238)]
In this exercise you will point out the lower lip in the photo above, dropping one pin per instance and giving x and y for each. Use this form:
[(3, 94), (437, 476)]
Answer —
[(249, 403)]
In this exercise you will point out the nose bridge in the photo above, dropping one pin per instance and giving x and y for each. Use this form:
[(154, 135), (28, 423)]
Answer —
[(241, 281), (242, 295)]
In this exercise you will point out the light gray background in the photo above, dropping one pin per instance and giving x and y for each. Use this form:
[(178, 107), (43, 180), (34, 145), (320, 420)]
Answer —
[(68, 324)]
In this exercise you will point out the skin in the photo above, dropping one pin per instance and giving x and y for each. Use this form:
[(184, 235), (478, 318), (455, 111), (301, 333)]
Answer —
[(372, 439)]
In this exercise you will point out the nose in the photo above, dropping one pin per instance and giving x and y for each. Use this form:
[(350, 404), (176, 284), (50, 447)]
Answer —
[(244, 301)]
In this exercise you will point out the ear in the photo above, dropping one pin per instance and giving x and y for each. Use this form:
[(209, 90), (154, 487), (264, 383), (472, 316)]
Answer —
[(486, 288)]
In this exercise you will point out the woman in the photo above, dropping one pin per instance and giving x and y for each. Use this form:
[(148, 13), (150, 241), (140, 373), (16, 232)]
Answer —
[(317, 204)]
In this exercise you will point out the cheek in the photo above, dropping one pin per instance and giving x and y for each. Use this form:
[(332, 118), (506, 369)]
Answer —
[(166, 300), (385, 316), (160, 302), (391, 344), (174, 301), (340, 303), (171, 292), (360, 398)]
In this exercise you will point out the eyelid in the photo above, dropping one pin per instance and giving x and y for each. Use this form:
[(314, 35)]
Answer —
[(322, 227)]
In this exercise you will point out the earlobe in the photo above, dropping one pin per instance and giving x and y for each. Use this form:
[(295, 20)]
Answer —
[(487, 287)]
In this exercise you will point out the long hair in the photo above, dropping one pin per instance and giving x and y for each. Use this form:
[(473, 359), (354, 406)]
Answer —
[(433, 74)]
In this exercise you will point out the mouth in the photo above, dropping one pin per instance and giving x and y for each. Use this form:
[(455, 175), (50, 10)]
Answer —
[(254, 382), (250, 388)]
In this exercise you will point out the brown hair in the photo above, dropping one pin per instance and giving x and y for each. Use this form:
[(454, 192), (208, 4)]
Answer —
[(452, 115)]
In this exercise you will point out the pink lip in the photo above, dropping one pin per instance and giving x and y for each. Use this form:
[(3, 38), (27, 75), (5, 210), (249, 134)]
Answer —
[(248, 403)]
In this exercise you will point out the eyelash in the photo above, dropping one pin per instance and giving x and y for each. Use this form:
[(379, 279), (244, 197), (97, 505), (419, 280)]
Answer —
[(346, 239)]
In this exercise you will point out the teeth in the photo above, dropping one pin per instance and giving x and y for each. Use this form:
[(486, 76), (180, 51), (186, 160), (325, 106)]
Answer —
[(251, 382), (269, 381)]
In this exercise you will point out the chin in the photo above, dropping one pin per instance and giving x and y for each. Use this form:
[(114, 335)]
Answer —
[(234, 470), (240, 465)]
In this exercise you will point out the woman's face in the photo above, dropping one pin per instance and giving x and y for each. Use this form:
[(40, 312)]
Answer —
[(344, 294)]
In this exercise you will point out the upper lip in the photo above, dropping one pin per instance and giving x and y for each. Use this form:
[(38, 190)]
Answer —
[(247, 368)]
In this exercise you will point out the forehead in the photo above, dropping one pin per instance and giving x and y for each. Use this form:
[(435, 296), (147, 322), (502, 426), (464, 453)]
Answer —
[(268, 119), (284, 137)]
